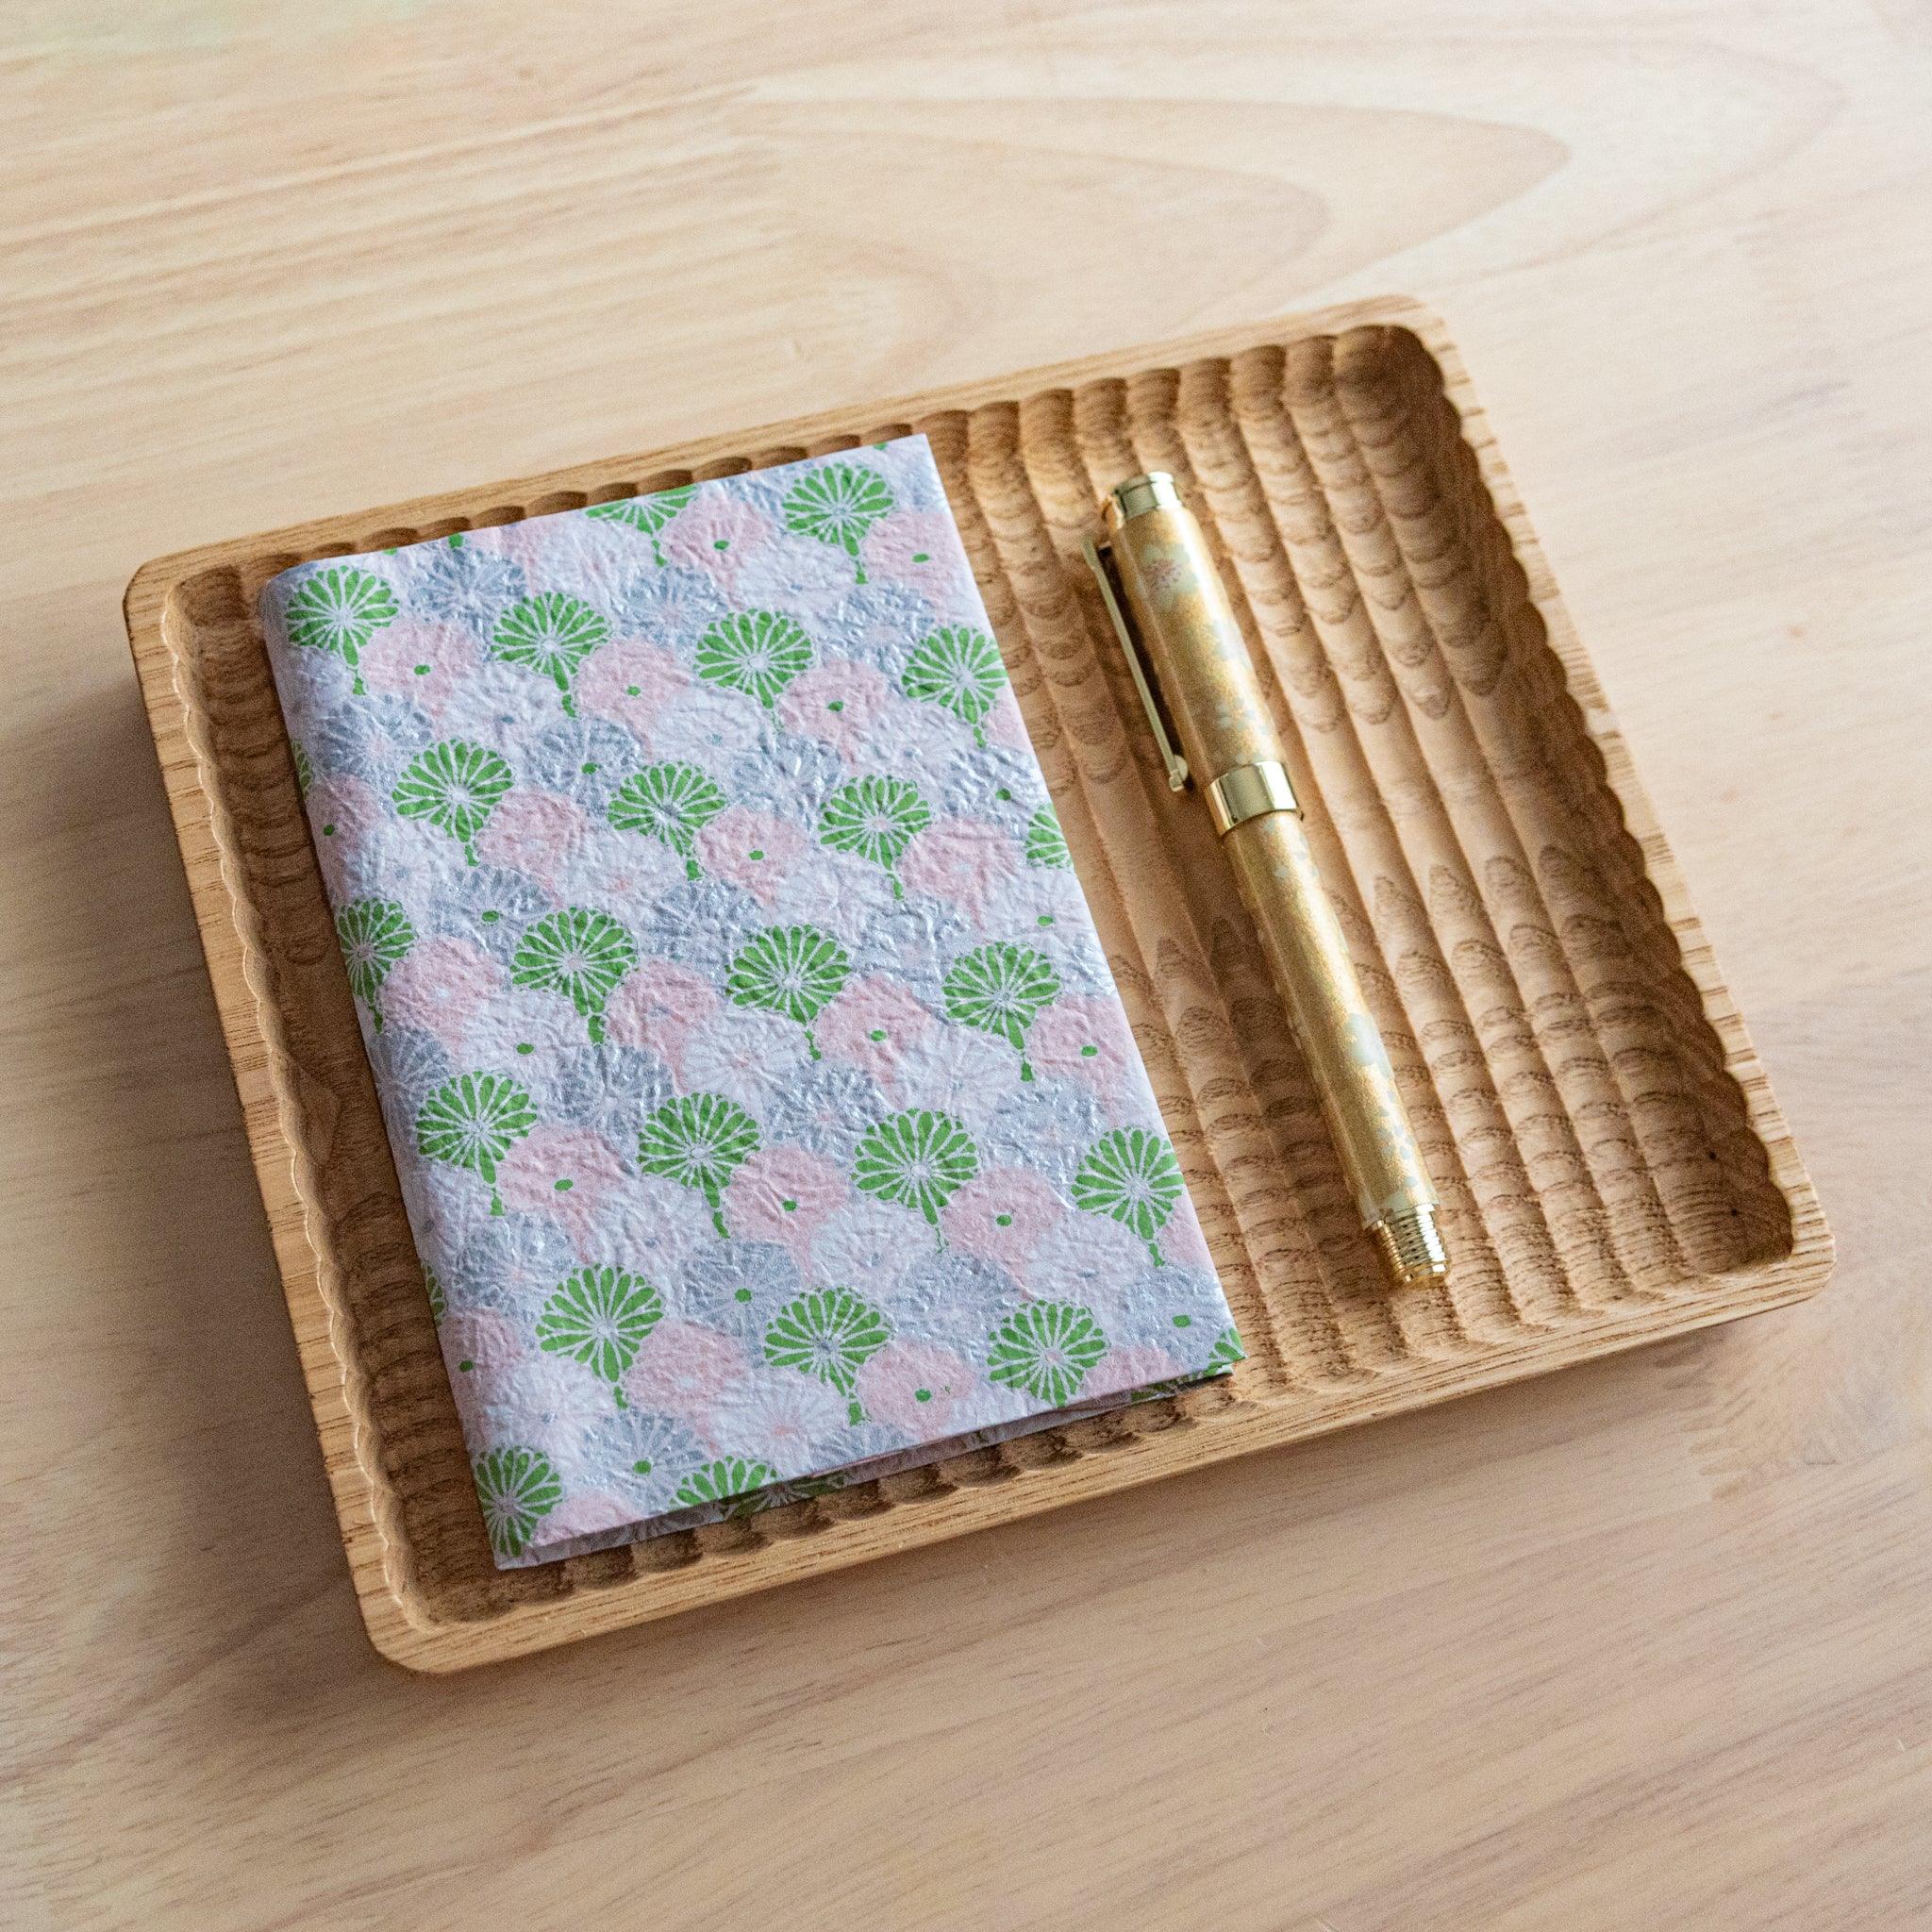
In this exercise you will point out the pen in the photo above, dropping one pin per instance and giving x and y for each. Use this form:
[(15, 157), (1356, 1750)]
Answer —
[(1165, 597)]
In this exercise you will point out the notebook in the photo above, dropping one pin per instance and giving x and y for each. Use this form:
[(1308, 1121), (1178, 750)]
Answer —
[(764, 1109)]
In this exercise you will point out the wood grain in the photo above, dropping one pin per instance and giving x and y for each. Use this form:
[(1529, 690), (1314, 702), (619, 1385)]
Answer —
[(1646, 1643), (1612, 1165)]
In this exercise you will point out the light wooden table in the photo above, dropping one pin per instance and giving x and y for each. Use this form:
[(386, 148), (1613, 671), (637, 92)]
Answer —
[(1647, 1644)]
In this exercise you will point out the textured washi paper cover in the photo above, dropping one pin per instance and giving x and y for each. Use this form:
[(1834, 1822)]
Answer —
[(762, 1102)]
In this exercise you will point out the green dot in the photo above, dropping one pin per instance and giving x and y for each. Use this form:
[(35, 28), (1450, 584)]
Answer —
[(741, 1295), (1003, 1221), (1087, 1051), (633, 690), (1004, 796), (877, 1033), (329, 831), (526, 1046), (563, 1187), (922, 557), (591, 765), (641, 1466), (836, 705), (456, 541), (721, 542), (790, 1207), (756, 852), (490, 917), (1184, 1320), (922, 1395), (422, 671), (464, 1367), (1046, 919)]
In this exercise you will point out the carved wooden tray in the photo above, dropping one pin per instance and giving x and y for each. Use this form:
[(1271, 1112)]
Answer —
[(1613, 1164)]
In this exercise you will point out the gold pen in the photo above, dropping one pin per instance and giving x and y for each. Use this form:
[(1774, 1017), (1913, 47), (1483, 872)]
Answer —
[(1165, 596)]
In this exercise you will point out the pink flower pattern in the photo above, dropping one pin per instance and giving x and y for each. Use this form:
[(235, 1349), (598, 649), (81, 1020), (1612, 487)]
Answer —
[(752, 849), (426, 664), (917, 548), (873, 1023), (1084, 1038), (960, 860), (685, 1370), (1002, 1215), (630, 682), (1003, 725), (566, 1173), (347, 819), (721, 536), (916, 1385), (660, 1004), (836, 702), (442, 987), (784, 1195), (535, 832)]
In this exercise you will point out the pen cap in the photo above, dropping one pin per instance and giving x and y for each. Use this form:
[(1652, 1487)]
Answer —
[(1187, 627)]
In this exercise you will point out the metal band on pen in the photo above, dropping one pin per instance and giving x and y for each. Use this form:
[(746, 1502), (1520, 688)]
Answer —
[(1246, 793)]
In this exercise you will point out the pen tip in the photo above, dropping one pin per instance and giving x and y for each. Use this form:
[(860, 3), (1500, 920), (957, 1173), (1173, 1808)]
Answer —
[(1411, 1248)]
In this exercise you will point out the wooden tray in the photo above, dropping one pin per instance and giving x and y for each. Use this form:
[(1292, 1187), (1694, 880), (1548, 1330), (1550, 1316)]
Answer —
[(1613, 1164)]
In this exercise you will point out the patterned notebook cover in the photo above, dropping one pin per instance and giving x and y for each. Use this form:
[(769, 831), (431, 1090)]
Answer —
[(763, 1106)]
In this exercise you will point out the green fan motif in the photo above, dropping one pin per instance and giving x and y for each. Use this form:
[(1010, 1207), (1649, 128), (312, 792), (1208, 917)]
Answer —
[(376, 934), (1047, 844), (794, 970), (699, 1141), (960, 670), (305, 767), (455, 787), (1159, 1391), (1046, 1348), (1133, 1176), (648, 515), (918, 1160), (551, 634), (339, 609), (826, 1485), (439, 1301), (518, 1488), (838, 504), (723, 1481), (579, 954), (755, 652), (1002, 989), (831, 1334), (1227, 1350), (875, 818), (600, 1316), (671, 802), (472, 1122)]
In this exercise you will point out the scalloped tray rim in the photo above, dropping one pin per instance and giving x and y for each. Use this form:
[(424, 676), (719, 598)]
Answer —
[(396, 1622)]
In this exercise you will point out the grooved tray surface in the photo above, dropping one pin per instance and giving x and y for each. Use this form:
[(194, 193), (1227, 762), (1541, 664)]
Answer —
[(1612, 1165)]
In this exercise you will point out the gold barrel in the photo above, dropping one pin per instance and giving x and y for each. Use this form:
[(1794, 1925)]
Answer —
[(1179, 612)]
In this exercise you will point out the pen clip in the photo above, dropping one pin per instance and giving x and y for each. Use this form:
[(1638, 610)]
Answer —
[(1096, 561)]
